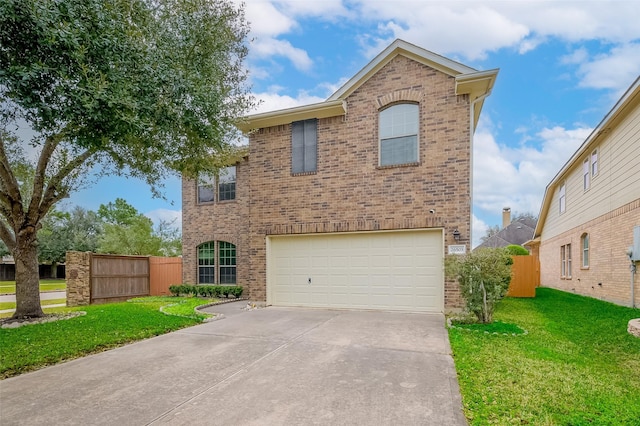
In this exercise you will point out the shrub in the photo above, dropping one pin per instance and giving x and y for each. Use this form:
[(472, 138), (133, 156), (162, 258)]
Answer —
[(484, 276), (175, 290), (516, 250)]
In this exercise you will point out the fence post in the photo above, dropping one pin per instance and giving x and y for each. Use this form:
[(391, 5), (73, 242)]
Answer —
[(78, 277)]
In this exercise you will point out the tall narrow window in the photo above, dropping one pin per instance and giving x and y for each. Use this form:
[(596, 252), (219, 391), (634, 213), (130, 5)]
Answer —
[(562, 198), (586, 174), (568, 260), (585, 250), (594, 162), (227, 184), (206, 264), (227, 262), (398, 130), (304, 146), (563, 261), (206, 185)]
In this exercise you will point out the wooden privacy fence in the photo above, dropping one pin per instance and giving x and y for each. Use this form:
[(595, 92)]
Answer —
[(525, 276), (100, 278)]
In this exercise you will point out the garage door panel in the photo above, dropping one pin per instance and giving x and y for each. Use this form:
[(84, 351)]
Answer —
[(369, 270)]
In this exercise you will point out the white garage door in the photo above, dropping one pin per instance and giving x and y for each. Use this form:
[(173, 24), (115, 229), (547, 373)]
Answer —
[(397, 270)]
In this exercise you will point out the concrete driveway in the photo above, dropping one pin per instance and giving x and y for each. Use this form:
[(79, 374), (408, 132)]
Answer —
[(271, 366)]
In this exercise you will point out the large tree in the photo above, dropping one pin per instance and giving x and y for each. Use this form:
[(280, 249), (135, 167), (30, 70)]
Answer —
[(137, 87)]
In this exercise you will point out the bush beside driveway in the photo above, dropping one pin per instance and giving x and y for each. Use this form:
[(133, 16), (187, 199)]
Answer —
[(576, 365)]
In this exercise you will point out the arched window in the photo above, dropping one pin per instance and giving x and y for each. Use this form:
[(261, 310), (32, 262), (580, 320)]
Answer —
[(222, 271), (584, 240), (206, 263), (398, 130)]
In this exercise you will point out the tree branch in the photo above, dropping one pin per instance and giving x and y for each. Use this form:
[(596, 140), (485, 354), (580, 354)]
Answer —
[(49, 147), (10, 187), (52, 194), (6, 236)]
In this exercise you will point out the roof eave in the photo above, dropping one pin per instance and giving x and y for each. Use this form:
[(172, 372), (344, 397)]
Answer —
[(289, 115), (478, 85)]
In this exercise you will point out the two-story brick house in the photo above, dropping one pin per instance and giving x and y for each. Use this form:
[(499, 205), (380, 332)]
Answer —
[(352, 202), (591, 207)]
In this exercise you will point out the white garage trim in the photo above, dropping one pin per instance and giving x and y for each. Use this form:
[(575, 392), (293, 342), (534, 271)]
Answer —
[(383, 270)]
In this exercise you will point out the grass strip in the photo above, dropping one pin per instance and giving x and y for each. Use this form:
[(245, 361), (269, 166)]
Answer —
[(9, 287), (577, 364), (104, 327)]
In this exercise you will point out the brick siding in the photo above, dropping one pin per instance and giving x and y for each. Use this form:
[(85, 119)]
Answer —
[(349, 191)]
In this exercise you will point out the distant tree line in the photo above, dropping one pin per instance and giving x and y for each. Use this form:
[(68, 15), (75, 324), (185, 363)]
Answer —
[(116, 228)]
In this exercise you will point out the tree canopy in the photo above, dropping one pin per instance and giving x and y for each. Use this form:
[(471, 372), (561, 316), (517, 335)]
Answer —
[(143, 88)]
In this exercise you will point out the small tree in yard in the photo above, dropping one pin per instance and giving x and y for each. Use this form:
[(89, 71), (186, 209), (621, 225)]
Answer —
[(145, 88), (484, 276)]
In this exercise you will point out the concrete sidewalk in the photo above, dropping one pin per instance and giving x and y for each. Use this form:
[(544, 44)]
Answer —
[(266, 366)]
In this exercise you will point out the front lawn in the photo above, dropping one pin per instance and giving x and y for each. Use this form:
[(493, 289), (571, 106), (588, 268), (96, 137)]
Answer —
[(577, 365), (43, 303), (9, 287), (103, 327)]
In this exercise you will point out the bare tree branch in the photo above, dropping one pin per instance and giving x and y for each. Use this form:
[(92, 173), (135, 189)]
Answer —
[(9, 182), (7, 237)]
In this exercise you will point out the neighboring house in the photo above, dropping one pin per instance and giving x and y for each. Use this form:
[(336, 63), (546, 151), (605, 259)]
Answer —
[(590, 208), (351, 202), (517, 232)]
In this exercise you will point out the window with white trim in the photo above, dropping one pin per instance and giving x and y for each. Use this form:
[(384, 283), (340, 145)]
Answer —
[(227, 184), (398, 130), (594, 162), (217, 263), (304, 146), (206, 189), (565, 261), (586, 174), (562, 200), (206, 263), (584, 240)]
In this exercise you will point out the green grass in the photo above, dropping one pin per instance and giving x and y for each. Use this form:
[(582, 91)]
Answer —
[(9, 287), (576, 366), (103, 327), (43, 303)]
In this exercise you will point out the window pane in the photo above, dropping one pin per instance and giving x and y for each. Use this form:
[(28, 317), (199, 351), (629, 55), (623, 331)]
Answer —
[(594, 163), (304, 146), (206, 269), (227, 259), (585, 174), (227, 184), (398, 130), (205, 189), (399, 150)]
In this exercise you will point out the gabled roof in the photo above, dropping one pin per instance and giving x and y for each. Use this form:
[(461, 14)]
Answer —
[(628, 101), (477, 84), (517, 232)]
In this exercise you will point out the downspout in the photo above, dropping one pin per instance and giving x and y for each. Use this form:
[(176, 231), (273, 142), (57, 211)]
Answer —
[(471, 134), (633, 273)]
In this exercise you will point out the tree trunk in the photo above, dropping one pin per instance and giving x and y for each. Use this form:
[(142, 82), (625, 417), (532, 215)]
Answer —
[(54, 270), (27, 277)]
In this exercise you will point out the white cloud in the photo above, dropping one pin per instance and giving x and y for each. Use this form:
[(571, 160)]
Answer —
[(266, 20), (616, 70), (272, 101), (516, 177), (267, 48), (478, 230), (170, 216)]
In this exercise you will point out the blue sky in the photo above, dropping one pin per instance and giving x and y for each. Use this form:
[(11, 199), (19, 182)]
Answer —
[(562, 64)]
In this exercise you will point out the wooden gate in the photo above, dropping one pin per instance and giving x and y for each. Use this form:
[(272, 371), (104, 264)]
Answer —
[(525, 276), (164, 272), (118, 277)]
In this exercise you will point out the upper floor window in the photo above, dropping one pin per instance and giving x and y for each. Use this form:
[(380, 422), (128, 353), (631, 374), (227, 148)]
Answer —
[(227, 184), (585, 250), (594, 162), (224, 184), (586, 174), (206, 189), (304, 146), (562, 200), (398, 130)]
